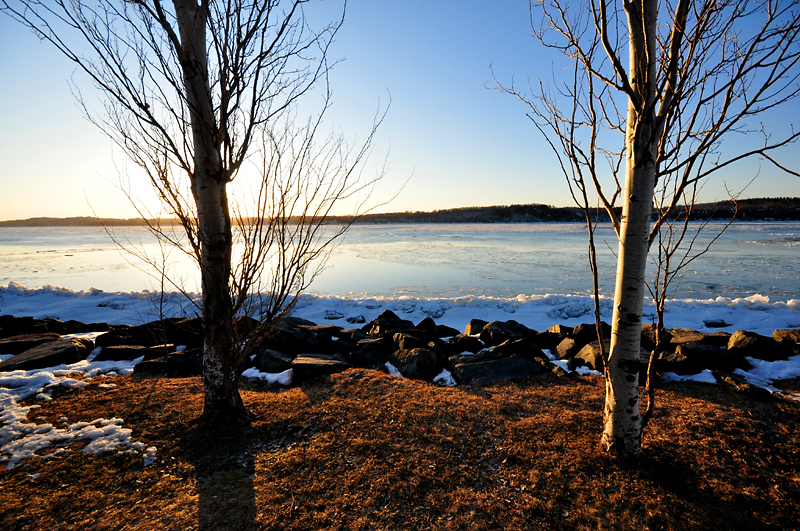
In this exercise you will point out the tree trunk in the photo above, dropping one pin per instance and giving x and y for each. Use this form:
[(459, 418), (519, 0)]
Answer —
[(223, 404), (622, 430)]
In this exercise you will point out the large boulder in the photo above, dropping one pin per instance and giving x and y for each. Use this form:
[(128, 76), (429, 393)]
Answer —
[(352, 335), (744, 343), (289, 340), (131, 352), (178, 331), (19, 344), (312, 365), (585, 333), (178, 365), (489, 367), (417, 363), (678, 336), (271, 361), (474, 327), (560, 329), (498, 332), (549, 340), (464, 343), (49, 354), (525, 347), (787, 336), (429, 328), (592, 356), (692, 358), (367, 357), (14, 326), (567, 348), (387, 324)]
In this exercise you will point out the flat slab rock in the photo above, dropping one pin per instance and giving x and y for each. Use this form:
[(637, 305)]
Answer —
[(307, 366), (19, 344), (484, 369), (178, 365), (50, 354)]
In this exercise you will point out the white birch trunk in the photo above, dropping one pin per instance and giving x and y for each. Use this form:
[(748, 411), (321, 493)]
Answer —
[(220, 361), (622, 430)]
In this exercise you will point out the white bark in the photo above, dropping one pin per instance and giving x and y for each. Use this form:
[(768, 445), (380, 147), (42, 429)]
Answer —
[(622, 428)]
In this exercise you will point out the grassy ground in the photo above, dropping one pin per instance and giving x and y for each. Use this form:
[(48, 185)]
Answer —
[(365, 451)]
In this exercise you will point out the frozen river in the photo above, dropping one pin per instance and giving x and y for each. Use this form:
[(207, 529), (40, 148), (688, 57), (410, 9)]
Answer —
[(427, 260)]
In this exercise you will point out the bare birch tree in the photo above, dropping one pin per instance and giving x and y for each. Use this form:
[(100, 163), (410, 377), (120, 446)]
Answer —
[(195, 91), (697, 73)]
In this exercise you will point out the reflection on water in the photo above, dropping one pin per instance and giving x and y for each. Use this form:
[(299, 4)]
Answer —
[(432, 260)]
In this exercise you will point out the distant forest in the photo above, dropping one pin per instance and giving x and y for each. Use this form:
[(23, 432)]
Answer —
[(763, 209)]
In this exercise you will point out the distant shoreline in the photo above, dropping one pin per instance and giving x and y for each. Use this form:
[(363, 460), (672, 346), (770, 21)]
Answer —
[(761, 209)]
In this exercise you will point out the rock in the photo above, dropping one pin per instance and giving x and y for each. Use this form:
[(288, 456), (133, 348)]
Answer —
[(15, 326), (178, 365), (417, 363), (715, 323), (405, 341), (178, 331), (487, 367), (49, 354), (585, 333), (463, 343), (387, 324), (352, 335), (549, 340), (474, 327), (678, 336), (649, 336), (328, 329), (524, 347), (560, 330), (592, 356), (382, 346), (129, 352), (325, 344), (443, 331), (717, 339), (568, 348), (743, 343), (271, 361), (333, 315), (787, 335), (288, 340), (356, 319), (498, 332), (693, 358), (428, 327), (367, 357), (308, 366), (19, 344), (431, 329)]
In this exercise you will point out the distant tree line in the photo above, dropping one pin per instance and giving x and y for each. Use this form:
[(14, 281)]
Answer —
[(760, 209)]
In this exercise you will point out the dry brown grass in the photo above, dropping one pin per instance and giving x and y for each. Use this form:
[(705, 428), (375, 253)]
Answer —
[(365, 451)]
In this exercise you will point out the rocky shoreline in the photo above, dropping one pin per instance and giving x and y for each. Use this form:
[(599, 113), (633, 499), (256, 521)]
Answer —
[(484, 353)]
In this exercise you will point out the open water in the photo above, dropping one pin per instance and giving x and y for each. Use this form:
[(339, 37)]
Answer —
[(426, 260)]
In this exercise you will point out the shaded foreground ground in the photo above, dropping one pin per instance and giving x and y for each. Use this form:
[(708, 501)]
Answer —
[(365, 451)]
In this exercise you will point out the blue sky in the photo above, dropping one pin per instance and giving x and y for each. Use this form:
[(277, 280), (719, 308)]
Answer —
[(455, 142)]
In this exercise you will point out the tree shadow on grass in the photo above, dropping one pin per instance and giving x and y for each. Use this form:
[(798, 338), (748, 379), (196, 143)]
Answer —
[(224, 465), (701, 505)]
